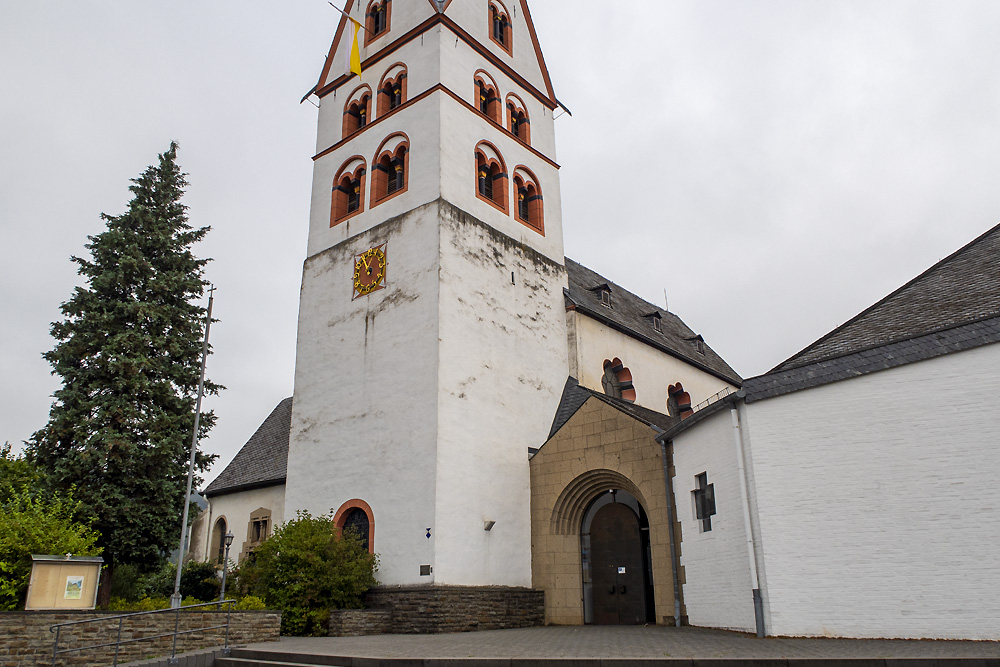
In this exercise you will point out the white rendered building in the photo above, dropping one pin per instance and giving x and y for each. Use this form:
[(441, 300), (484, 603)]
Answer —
[(521, 440)]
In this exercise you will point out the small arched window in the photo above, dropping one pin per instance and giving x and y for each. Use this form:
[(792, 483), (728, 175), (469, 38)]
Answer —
[(348, 191), (517, 119), (487, 97), (357, 111), (355, 517), (617, 380), (390, 169), (392, 91), (219, 540), (491, 176), (377, 20), (678, 401), (500, 27), (530, 210)]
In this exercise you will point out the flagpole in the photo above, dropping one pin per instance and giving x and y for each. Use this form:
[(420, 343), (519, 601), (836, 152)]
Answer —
[(350, 18)]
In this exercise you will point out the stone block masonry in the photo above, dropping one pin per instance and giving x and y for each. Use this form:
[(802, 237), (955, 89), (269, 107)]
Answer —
[(436, 609), (25, 640)]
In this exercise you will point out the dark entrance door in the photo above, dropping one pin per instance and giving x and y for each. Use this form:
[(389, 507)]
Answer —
[(619, 595)]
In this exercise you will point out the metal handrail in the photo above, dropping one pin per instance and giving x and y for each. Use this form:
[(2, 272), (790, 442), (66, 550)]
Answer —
[(57, 628)]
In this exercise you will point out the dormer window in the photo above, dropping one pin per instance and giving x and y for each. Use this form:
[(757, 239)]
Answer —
[(606, 298), (699, 343), (656, 324)]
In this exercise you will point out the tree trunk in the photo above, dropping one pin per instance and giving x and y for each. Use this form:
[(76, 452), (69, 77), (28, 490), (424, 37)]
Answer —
[(104, 590)]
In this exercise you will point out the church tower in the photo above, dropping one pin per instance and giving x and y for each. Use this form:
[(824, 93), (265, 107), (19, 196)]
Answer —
[(432, 335)]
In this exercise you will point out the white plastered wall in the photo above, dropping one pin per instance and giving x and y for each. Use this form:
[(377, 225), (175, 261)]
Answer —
[(236, 508), (653, 371), (877, 502), (502, 370), (718, 590), (363, 421)]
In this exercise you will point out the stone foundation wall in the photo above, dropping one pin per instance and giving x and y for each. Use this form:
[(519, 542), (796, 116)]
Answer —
[(25, 640), (435, 609), (360, 622)]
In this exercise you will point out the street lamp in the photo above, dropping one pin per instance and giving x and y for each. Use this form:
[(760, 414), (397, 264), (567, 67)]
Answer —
[(225, 564)]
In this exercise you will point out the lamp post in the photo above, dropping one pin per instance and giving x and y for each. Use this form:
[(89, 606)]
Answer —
[(225, 564)]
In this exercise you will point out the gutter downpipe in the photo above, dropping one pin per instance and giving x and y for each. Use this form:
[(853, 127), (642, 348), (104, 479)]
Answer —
[(670, 534), (758, 603)]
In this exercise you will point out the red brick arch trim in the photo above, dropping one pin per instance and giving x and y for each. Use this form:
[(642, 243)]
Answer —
[(529, 209), (624, 377), (340, 194), (678, 401), (507, 43), (399, 72), (518, 122), (380, 177), (490, 88), (370, 20), (341, 516), (359, 99), (496, 173)]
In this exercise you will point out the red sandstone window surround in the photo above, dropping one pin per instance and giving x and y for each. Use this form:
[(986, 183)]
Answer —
[(517, 119), (491, 176), (348, 191), (357, 111), (488, 97), (500, 27), (377, 19), (357, 515), (392, 90), (390, 169), (530, 210)]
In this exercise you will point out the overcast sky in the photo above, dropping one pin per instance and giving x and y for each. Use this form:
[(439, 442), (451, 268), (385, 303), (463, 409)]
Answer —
[(775, 165)]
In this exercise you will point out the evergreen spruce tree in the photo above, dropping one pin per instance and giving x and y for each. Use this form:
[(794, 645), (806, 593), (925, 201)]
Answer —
[(129, 355)]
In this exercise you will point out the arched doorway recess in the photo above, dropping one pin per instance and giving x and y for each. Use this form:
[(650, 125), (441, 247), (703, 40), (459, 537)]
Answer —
[(616, 557)]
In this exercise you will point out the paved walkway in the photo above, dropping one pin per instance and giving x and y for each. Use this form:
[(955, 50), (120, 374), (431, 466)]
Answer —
[(625, 642)]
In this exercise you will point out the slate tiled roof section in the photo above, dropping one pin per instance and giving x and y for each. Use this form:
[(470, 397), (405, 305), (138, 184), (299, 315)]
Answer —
[(928, 346), (961, 288), (574, 396), (633, 316), (263, 461)]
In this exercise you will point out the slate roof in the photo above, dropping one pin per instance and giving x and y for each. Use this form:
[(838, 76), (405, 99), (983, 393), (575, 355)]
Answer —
[(263, 461), (962, 288), (574, 396), (632, 316)]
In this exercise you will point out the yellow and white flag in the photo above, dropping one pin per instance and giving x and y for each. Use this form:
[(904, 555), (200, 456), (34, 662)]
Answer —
[(354, 55)]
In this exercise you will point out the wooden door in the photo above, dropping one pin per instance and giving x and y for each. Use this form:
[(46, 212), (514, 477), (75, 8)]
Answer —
[(619, 596)]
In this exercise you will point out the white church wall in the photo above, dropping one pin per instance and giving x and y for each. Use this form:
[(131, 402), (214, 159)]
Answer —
[(236, 508), (422, 60), (363, 421), (718, 589), (420, 124), (878, 505), (653, 371), (502, 370)]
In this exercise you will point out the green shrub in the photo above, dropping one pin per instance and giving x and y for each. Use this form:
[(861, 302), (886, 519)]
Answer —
[(249, 603), (34, 522), (200, 580), (305, 569)]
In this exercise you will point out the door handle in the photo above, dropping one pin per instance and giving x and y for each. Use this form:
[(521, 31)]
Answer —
[(612, 591), (623, 590)]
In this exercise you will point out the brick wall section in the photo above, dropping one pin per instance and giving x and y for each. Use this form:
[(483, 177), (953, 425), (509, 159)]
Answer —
[(436, 609), (360, 622), (597, 437), (25, 640)]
